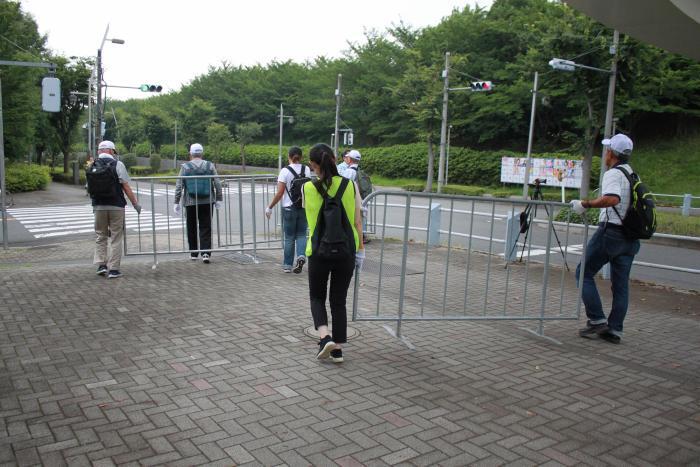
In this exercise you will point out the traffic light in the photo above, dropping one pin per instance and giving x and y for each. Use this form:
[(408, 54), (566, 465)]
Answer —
[(151, 88), (478, 86)]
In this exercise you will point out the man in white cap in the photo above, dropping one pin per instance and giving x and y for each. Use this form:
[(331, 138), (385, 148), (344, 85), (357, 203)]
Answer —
[(609, 243), (108, 182), (353, 164), (198, 201)]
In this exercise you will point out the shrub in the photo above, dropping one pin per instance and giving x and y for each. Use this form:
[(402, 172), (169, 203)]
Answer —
[(463, 190), (57, 175), (500, 193), (414, 187), (142, 149), (129, 160), (24, 177), (140, 170), (591, 214), (154, 162)]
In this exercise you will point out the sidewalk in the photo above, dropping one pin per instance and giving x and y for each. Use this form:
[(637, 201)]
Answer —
[(194, 364)]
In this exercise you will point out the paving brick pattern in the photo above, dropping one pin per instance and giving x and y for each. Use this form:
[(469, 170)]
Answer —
[(192, 364)]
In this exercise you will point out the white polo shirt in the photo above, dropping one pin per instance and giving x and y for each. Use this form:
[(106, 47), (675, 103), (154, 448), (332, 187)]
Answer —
[(615, 183)]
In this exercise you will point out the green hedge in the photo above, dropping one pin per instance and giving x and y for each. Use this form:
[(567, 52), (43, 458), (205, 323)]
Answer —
[(24, 177), (591, 214), (467, 166), (57, 175), (154, 162), (140, 170)]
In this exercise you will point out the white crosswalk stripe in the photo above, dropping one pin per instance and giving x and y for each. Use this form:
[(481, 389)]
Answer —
[(58, 221)]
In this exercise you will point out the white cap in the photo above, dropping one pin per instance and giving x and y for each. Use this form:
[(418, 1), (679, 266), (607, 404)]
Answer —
[(620, 144), (196, 149), (106, 145), (354, 154)]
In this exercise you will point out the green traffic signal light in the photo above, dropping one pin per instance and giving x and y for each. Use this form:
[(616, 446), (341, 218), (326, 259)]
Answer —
[(151, 88)]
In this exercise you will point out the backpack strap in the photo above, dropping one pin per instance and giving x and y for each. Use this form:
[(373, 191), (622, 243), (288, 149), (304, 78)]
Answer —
[(341, 188), (631, 182), (296, 175), (356, 168)]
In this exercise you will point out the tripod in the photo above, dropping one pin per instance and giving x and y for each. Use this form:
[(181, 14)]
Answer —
[(526, 218)]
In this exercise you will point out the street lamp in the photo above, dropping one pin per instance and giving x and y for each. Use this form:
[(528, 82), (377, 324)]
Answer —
[(568, 65), (290, 119), (98, 125)]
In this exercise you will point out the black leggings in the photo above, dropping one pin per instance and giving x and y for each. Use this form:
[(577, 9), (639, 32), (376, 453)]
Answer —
[(199, 214), (340, 273)]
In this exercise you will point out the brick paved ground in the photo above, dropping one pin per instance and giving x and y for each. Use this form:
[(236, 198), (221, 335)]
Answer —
[(193, 364)]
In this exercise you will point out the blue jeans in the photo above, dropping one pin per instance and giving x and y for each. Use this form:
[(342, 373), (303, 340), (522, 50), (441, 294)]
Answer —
[(608, 245), (294, 227)]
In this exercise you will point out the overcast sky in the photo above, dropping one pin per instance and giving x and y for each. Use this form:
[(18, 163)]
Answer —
[(172, 42)]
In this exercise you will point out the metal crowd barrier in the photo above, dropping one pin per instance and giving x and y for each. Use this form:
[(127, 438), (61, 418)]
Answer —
[(240, 225), (446, 257)]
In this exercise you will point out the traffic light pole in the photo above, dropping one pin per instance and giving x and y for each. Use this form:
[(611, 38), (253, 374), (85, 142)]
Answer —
[(279, 153), (337, 116), (443, 126)]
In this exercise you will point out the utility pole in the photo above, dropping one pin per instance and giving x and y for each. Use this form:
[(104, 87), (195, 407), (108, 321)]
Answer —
[(528, 163), (175, 156), (443, 127), (610, 108), (337, 115), (279, 153), (98, 125)]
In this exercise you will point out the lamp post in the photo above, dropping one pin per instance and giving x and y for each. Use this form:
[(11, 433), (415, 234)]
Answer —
[(98, 124), (568, 65), (337, 116), (290, 119)]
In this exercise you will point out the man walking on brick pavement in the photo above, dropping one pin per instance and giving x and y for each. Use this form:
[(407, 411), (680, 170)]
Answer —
[(198, 201), (108, 182), (609, 244)]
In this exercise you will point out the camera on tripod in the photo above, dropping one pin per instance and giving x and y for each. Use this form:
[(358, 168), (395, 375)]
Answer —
[(539, 181)]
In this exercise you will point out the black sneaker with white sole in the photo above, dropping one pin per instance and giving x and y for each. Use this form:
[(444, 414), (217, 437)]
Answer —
[(102, 270), (325, 346), (337, 356), (592, 329), (113, 274), (299, 264)]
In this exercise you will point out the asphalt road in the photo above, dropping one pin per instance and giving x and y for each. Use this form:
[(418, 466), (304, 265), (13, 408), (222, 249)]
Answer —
[(63, 213)]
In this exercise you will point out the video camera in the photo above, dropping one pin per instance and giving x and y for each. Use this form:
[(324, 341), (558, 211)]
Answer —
[(540, 181)]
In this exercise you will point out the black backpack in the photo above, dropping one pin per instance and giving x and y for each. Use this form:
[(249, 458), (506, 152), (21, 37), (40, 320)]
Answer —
[(102, 178), (297, 185), (640, 219), (364, 183), (333, 238)]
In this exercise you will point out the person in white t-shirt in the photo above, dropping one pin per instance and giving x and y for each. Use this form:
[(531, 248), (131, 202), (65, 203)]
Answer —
[(294, 225), (609, 244)]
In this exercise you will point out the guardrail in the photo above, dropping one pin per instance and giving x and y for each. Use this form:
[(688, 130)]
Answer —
[(686, 206), (239, 225), (463, 277)]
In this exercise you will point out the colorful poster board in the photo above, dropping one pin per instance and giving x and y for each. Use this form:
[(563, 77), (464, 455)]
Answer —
[(557, 172)]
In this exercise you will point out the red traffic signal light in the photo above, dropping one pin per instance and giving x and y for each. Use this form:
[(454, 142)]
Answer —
[(481, 86), (151, 88)]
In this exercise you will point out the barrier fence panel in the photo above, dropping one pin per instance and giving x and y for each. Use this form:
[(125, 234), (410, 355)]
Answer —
[(442, 257), (238, 225)]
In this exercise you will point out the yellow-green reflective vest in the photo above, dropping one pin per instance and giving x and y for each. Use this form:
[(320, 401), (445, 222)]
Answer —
[(313, 201)]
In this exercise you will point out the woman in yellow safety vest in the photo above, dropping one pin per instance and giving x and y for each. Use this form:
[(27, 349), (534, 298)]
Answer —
[(334, 247)]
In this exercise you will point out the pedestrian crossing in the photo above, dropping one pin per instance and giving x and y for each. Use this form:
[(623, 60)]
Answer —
[(59, 221), (143, 191)]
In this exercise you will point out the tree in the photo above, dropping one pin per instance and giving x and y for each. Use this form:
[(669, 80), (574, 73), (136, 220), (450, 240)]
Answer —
[(217, 137), (246, 134), (20, 41), (156, 127), (74, 75)]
